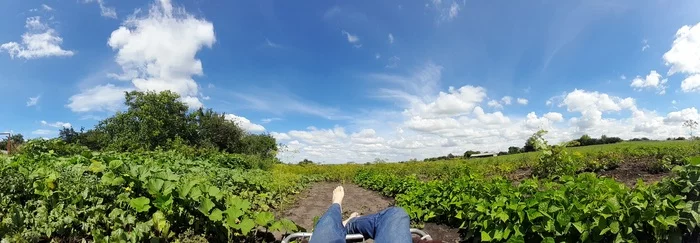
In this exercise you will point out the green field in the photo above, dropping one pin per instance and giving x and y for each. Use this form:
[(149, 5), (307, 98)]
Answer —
[(53, 191)]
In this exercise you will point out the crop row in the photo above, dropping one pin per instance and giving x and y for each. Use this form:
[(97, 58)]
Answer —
[(583, 208), (138, 197)]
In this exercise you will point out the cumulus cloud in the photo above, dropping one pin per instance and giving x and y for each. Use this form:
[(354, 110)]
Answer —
[(33, 100), (591, 105), (678, 117), (522, 101), (244, 123), (157, 52), (684, 56), (653, 81), (554, 116), (100, 98), (507, 100), (39, 41), (495, 104), (691, 84)]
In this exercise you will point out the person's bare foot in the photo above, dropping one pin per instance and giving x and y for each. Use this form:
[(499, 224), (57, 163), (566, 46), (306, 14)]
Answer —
[(338, 195), (352, 216)]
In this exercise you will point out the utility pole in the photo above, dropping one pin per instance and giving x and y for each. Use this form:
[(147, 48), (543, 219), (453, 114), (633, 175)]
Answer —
[(9, 141)]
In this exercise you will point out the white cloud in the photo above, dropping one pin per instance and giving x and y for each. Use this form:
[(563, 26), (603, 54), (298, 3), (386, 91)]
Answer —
[(42, 132), (691, 84), (454, 102), (39, 41), (377, 56), (366, 136), (57, 124), (352, 39), (684, 56), (157, 52), (623, 77), (268, 120), (446, 11), (280, 136), (522, 101), (645, 44), (495, 104), (591, 105), (33, 100), (46, 8), (100, 98), (110, 12), (391, 38), (507, 100), (678, 117), (554, 116), (653, 80), (272, 44), (245, 123)]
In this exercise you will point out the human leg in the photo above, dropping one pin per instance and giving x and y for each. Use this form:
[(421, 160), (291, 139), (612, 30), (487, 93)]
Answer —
[(329, 227), (390, 225)]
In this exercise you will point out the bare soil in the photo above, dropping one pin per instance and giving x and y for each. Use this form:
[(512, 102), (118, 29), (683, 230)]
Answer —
[(314, 202), (629, 172)]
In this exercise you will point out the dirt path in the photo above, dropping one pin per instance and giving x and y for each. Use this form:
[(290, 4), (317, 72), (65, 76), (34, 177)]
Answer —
[(314, 202)]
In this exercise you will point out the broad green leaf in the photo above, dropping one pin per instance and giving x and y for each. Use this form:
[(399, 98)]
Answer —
[(206, 205), (140, 204), (288, 225), (160, 222), (264, 218), (168, 187), (96, 166), (579, 226), (246, 225), (216, 215), (114, 164), (154, 186), (214, 192)]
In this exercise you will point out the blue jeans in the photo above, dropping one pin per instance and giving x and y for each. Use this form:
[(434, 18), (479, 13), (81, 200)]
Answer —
[(390, 225)]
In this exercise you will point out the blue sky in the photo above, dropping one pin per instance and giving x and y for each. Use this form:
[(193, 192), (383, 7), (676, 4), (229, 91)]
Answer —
[(340, 81)]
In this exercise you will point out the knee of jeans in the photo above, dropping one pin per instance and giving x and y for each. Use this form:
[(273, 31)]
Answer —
[(397, 212)]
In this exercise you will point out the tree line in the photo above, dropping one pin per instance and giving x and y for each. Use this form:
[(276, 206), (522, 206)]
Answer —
[(161, 121)]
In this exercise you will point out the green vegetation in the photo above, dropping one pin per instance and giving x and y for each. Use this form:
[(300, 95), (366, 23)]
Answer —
[(159, 172)]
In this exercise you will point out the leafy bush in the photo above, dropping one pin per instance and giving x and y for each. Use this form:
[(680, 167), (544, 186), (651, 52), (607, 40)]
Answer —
[(555, 161)]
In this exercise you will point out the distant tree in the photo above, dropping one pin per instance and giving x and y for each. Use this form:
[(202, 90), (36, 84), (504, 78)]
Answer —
[(450, 156), (379, 161), (68, 135), (513, 150), (305, 162), (502, 153), (261, 144), (16, 140), (691, 125), (680, 138)]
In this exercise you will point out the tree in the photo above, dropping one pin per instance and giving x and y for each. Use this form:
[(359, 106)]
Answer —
[(68, 135), (536, 142), (15, 140), (305, 162), (261, 144), (513, 150), (214, 130), (691, 125), (152, 120)]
